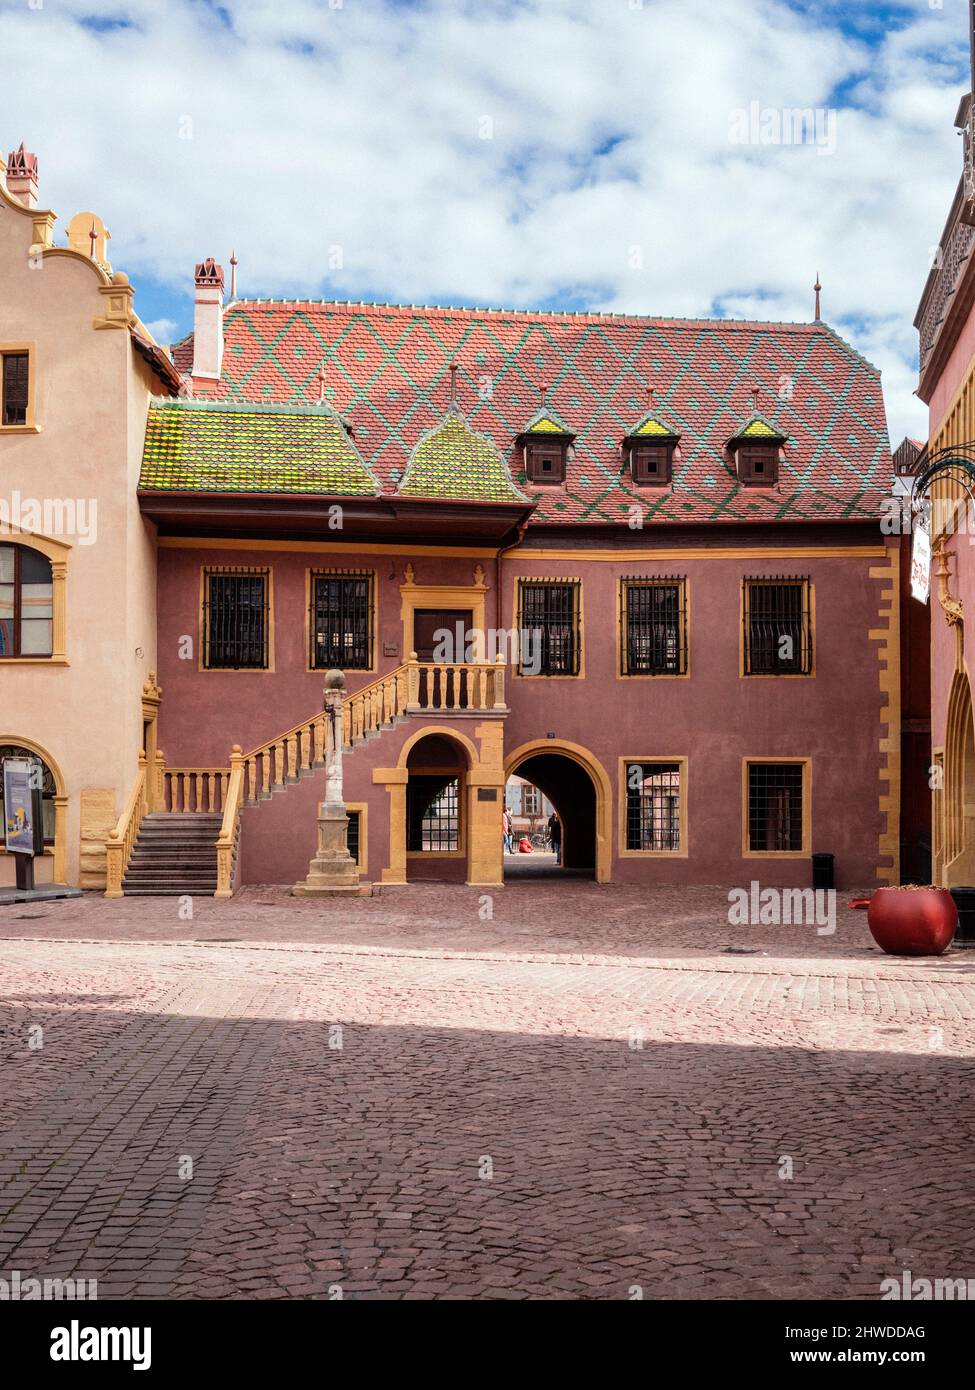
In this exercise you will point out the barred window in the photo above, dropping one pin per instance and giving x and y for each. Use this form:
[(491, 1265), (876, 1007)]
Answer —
[(236, 621), (653, 613), (653, 806), (432, 814), (550, 637), (14, 388), (341, 620), (777, 626), (352, 836), (775, 806)]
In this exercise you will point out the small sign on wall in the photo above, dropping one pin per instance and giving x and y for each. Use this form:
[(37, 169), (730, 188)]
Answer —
[(390, 649), (487, 793), (921, 564)]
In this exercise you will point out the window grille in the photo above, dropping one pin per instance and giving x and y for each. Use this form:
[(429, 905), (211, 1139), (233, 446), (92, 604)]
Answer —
[(341, 620), (236, 619), (549, 621), (432, 814), (654, 617), (777, 626), (775, 792), (352, 835), (653, 806)]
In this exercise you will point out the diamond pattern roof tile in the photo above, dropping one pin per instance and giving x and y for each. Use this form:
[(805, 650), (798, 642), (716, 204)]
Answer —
[(388, 366)]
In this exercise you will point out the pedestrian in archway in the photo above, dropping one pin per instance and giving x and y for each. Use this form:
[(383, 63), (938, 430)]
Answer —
[(555, 835), (506, 831)]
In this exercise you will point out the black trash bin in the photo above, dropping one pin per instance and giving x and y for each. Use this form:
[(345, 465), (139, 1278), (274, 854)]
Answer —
[(965, 903), (822, 870)]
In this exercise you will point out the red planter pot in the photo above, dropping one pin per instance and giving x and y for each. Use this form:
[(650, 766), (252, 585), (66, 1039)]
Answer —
[(912, 922)]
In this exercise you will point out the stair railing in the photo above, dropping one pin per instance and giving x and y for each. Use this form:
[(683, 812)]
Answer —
[(227, 839), (121, 841)]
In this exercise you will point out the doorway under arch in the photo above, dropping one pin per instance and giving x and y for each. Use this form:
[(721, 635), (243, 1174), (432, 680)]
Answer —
[(437, 829), (578, 786)]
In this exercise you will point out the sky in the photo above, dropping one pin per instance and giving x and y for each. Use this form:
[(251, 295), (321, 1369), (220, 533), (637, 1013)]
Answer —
[(632, 156)]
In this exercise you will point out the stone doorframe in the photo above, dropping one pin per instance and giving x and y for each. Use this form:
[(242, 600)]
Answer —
[(463, 596), (484, 790)]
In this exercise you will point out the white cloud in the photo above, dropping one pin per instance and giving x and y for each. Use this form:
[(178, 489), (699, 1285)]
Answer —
[(359, 126), (163, 330)]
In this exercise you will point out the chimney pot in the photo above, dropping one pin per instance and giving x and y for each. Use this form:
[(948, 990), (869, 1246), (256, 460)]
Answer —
[(208, 321), (22, 176)]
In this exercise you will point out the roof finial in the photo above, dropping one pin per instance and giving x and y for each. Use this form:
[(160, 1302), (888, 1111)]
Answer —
[(322, 378), (92, 237), (543, 391), (453, 385), (650, 405), (817, 287), (754, 400), (233, 275)]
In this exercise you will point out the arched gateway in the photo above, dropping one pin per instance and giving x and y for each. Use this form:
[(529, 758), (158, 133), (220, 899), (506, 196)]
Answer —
[(579, 788)]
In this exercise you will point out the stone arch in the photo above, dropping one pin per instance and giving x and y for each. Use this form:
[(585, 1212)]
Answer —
[(60, 799), (602, 792)]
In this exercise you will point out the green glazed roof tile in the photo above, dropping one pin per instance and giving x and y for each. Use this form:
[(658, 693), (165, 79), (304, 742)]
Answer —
[(452, 460), (219, 446)]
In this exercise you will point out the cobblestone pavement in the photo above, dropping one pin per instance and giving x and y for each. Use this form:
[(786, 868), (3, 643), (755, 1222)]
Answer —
[(537, 1106)]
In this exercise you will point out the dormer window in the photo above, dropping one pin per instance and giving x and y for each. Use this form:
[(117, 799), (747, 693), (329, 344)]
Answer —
[(758, 465), (545, 443), (545, 462), (755, 451), (649, 449), (651, 464)]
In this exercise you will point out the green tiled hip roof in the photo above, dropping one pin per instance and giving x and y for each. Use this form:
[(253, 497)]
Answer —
[(211, 446)]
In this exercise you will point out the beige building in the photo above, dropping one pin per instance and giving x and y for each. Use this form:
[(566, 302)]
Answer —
[(77, 369)]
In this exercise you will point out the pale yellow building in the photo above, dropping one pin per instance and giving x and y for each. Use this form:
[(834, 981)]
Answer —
[(77, 560)]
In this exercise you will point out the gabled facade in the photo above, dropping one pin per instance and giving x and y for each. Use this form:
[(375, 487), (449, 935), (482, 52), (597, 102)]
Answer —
[(77, 559)]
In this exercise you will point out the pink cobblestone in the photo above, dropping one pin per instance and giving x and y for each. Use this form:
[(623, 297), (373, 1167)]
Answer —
[(636, 1090)]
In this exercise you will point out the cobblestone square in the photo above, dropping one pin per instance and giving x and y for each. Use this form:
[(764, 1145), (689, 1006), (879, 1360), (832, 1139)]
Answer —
[(582, 1095)]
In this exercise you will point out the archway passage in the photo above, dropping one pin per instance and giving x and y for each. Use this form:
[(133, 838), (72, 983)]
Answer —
[(570, 789)]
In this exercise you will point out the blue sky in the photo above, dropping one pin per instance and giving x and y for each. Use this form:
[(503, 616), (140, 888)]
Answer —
[(520, 153)]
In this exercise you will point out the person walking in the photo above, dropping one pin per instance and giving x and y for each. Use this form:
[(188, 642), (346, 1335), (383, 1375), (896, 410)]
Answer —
[(555, 835), (506, 831)]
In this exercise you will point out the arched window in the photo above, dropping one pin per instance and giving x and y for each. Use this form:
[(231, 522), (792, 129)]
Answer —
[(13, 750), (26, 602)]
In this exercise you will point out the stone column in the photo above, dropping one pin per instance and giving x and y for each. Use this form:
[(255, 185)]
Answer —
[(332, 871)]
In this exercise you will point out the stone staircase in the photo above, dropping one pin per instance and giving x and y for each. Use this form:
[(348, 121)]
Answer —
[(191, 845), (173, 855)]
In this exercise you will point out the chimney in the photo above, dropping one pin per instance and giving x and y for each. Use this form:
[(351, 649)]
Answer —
[(22, 176), (208, 321)]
